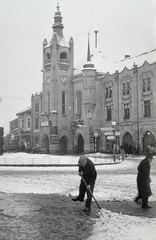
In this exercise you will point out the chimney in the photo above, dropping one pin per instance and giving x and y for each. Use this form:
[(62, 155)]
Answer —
[(96, 38)]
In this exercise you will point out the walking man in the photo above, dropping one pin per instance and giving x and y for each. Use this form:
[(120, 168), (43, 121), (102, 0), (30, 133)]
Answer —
[(88, 172), (143, 181)]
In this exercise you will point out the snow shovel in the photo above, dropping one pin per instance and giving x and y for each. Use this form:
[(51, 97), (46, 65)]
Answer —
[(90, 192)]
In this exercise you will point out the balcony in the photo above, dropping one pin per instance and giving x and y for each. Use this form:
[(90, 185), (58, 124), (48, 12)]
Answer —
[(77, 124)]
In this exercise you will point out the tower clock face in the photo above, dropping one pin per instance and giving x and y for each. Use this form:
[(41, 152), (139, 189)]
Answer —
[(48, 78), (64, 78)]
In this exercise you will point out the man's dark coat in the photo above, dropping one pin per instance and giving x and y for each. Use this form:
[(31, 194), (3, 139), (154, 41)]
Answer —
[(143, 178), (89, 172)]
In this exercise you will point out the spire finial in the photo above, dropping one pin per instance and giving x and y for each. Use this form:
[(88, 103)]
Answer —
[(88, 53), (58, 7)]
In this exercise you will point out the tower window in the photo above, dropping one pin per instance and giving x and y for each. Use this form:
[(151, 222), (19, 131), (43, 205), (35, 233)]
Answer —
[(79, 103), (63, 57), (47, 56), (48, 102), (63, 103), (36, 123)]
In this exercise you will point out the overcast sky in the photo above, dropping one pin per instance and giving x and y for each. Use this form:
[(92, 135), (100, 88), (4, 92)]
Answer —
[(125, 27)]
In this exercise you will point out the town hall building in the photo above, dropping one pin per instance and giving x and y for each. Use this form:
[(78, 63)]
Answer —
[(95, 104)]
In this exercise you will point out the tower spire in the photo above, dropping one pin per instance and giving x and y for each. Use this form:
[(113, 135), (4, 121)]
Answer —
[(58, 26), (58, 7), (88, 52)]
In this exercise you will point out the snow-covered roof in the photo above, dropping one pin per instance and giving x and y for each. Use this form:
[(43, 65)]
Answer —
[(60, 40), (138, 60), (103, 63), (25, 110)]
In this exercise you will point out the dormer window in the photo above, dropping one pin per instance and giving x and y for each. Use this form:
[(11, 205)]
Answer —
[(63, 57)]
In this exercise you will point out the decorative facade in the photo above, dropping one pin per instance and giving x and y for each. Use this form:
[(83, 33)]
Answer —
[(78, 101)]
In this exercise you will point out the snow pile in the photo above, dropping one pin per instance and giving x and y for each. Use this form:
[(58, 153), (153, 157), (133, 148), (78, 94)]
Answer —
[(116, 226)]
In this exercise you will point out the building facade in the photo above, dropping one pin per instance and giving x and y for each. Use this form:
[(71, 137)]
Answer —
[(24, 129), (79, 102)]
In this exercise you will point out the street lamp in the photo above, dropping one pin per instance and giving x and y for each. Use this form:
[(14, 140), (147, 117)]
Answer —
[(114, 125), (96, 136)]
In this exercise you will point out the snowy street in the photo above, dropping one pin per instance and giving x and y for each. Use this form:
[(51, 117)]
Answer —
[(30, 194)]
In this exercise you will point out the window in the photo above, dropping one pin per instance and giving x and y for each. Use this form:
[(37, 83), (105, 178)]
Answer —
[(126, 111), (147, 108), (48, 102), (63, 57), (36, 107), (36, 123), (124, 88), (28, 122), (63, 103), (22, 123), (146, 84), (110, 91), (109, 114), (107, 92), (128, 87), (79, 103)]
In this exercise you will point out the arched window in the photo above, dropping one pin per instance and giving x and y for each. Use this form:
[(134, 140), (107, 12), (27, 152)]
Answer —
[(128, 87), (63, 57), (110, 91), (107, 92), (79, 103), (149, 83), (124, 88), (63, 103)]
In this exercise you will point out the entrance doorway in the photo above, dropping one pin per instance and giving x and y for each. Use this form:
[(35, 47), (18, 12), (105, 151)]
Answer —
[(128, 143), (80, 144), (63, 145), (148, 140), (45, 142)]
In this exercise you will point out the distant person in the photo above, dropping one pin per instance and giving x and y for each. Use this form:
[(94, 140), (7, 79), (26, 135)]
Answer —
[(143, 181), (123, 154), (88, 172)]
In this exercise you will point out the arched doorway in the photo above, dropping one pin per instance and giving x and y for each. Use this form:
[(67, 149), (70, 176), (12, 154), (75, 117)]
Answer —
[(99, 144), (128, 143), (45, 142), (36, 141), (80, 144), (63, 145), (148, 140)]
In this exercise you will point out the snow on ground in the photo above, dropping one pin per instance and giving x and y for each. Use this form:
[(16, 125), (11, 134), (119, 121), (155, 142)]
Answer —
[(119, 218)]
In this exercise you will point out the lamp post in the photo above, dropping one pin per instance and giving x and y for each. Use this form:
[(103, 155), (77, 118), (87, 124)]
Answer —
[(114, 125), (96, 136)]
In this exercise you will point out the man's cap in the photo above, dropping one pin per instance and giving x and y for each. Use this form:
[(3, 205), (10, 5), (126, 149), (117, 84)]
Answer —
[(82, 161)]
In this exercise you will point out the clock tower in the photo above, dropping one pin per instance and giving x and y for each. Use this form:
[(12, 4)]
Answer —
[(57, 101)]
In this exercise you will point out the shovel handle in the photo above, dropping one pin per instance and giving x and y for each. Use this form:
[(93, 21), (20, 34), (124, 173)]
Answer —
[(90, 192)]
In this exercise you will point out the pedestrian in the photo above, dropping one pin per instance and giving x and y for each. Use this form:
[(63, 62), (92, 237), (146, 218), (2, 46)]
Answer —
[(123, 153), (88, 172), (143, 181)]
